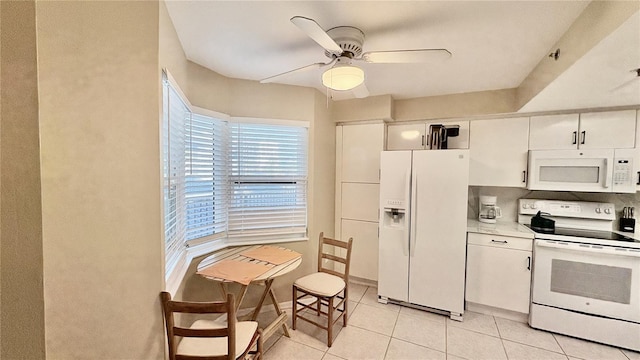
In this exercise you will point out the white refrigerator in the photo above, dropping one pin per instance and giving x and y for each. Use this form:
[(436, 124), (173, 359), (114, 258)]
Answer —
[(423, 225)]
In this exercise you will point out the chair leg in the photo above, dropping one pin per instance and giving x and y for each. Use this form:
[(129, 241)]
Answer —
[(319, 306), (294, 307), (330, 323), (345, 314)]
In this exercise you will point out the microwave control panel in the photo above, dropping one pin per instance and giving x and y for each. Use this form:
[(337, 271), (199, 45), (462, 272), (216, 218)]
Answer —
[(623, 171)]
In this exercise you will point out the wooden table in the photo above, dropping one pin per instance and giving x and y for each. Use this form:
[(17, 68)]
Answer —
[(265, 279)]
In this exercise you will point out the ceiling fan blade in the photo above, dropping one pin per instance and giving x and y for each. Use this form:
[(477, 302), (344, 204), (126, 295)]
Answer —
[(406, 56), (315, 32), (300, 69), (360, 91)]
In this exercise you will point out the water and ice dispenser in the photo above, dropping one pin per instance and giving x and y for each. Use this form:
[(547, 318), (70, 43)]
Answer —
[(394, 227), (394, 213), (393, 217)]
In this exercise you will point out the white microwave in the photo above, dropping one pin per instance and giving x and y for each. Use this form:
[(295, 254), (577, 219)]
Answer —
[(601, 170)]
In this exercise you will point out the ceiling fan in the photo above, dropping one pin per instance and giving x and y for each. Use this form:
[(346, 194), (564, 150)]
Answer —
[(343, 46)]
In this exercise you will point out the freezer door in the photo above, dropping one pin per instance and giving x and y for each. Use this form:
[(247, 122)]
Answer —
[(393, 255), (438, 229)]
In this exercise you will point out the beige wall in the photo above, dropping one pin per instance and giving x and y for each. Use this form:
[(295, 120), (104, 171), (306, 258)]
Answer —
[(456, 105), (22, 306), (432, 107), (99, 91), (373, 107)]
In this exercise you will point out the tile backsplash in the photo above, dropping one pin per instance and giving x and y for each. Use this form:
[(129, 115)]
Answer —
[(508, 199)]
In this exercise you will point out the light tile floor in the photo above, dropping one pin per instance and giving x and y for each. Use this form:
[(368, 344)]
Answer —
[(378, 331)]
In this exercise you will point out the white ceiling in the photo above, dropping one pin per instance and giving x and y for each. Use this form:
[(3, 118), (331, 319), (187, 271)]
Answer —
[(495, 44)]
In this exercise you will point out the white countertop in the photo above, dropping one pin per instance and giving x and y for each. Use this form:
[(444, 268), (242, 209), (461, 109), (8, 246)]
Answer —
[(503, 228)]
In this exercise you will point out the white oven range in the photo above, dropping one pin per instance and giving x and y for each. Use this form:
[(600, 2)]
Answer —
[(586, 278)]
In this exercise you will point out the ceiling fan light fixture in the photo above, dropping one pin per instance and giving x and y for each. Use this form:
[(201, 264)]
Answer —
[(345, 77)]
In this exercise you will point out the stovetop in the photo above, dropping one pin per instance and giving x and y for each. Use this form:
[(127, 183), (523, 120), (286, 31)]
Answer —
[(607, 238), (591, 234), (575, 221)]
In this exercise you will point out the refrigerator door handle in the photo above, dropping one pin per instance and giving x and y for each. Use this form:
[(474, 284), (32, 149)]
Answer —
[(414, 216), (407, 199)]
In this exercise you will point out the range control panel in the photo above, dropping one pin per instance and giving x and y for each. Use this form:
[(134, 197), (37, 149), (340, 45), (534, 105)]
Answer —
[(576, 209)]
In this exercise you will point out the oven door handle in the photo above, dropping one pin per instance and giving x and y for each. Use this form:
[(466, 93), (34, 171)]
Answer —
[(588, 248)]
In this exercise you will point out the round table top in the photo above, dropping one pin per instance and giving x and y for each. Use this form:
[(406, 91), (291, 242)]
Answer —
[(235, 253)]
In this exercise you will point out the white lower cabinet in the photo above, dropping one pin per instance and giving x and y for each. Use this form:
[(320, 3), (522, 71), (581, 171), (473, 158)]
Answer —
[(499, 271), (364, 254)]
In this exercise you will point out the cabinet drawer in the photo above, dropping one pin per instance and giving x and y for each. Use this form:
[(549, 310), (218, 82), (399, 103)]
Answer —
[(508, 242)]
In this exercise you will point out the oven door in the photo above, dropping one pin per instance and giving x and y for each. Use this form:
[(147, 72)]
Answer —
[(593, 279), (571, 170)]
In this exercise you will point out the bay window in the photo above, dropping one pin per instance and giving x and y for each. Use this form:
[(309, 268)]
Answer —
[(228, 181)]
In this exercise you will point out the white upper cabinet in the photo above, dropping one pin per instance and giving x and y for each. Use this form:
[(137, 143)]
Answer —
[(416, 136), (498, 152), (553, 132), (601, 130), (361, 147), (406, 137), (612, 129)]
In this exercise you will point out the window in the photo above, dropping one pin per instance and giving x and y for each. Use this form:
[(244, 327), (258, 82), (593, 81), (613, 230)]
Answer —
[(175, 115), (206, 176), (228, 180), (268, 180)]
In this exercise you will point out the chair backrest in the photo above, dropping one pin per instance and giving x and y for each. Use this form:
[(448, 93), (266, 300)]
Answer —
[(336, 256), (169, 307)]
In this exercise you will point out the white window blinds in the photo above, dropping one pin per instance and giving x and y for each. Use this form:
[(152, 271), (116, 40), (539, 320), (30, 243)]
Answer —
[(227, 182), (206, 176), (268, 182), (175, 114)]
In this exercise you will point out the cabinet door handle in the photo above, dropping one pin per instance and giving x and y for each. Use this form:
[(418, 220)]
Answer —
[(584, 136), (575, 137), (423, 137), (638, 183), (499, 241), (529, 263), (524, 176)]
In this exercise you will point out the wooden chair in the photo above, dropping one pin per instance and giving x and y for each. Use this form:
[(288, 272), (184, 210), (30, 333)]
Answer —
[(207, 339), (326, 285)]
